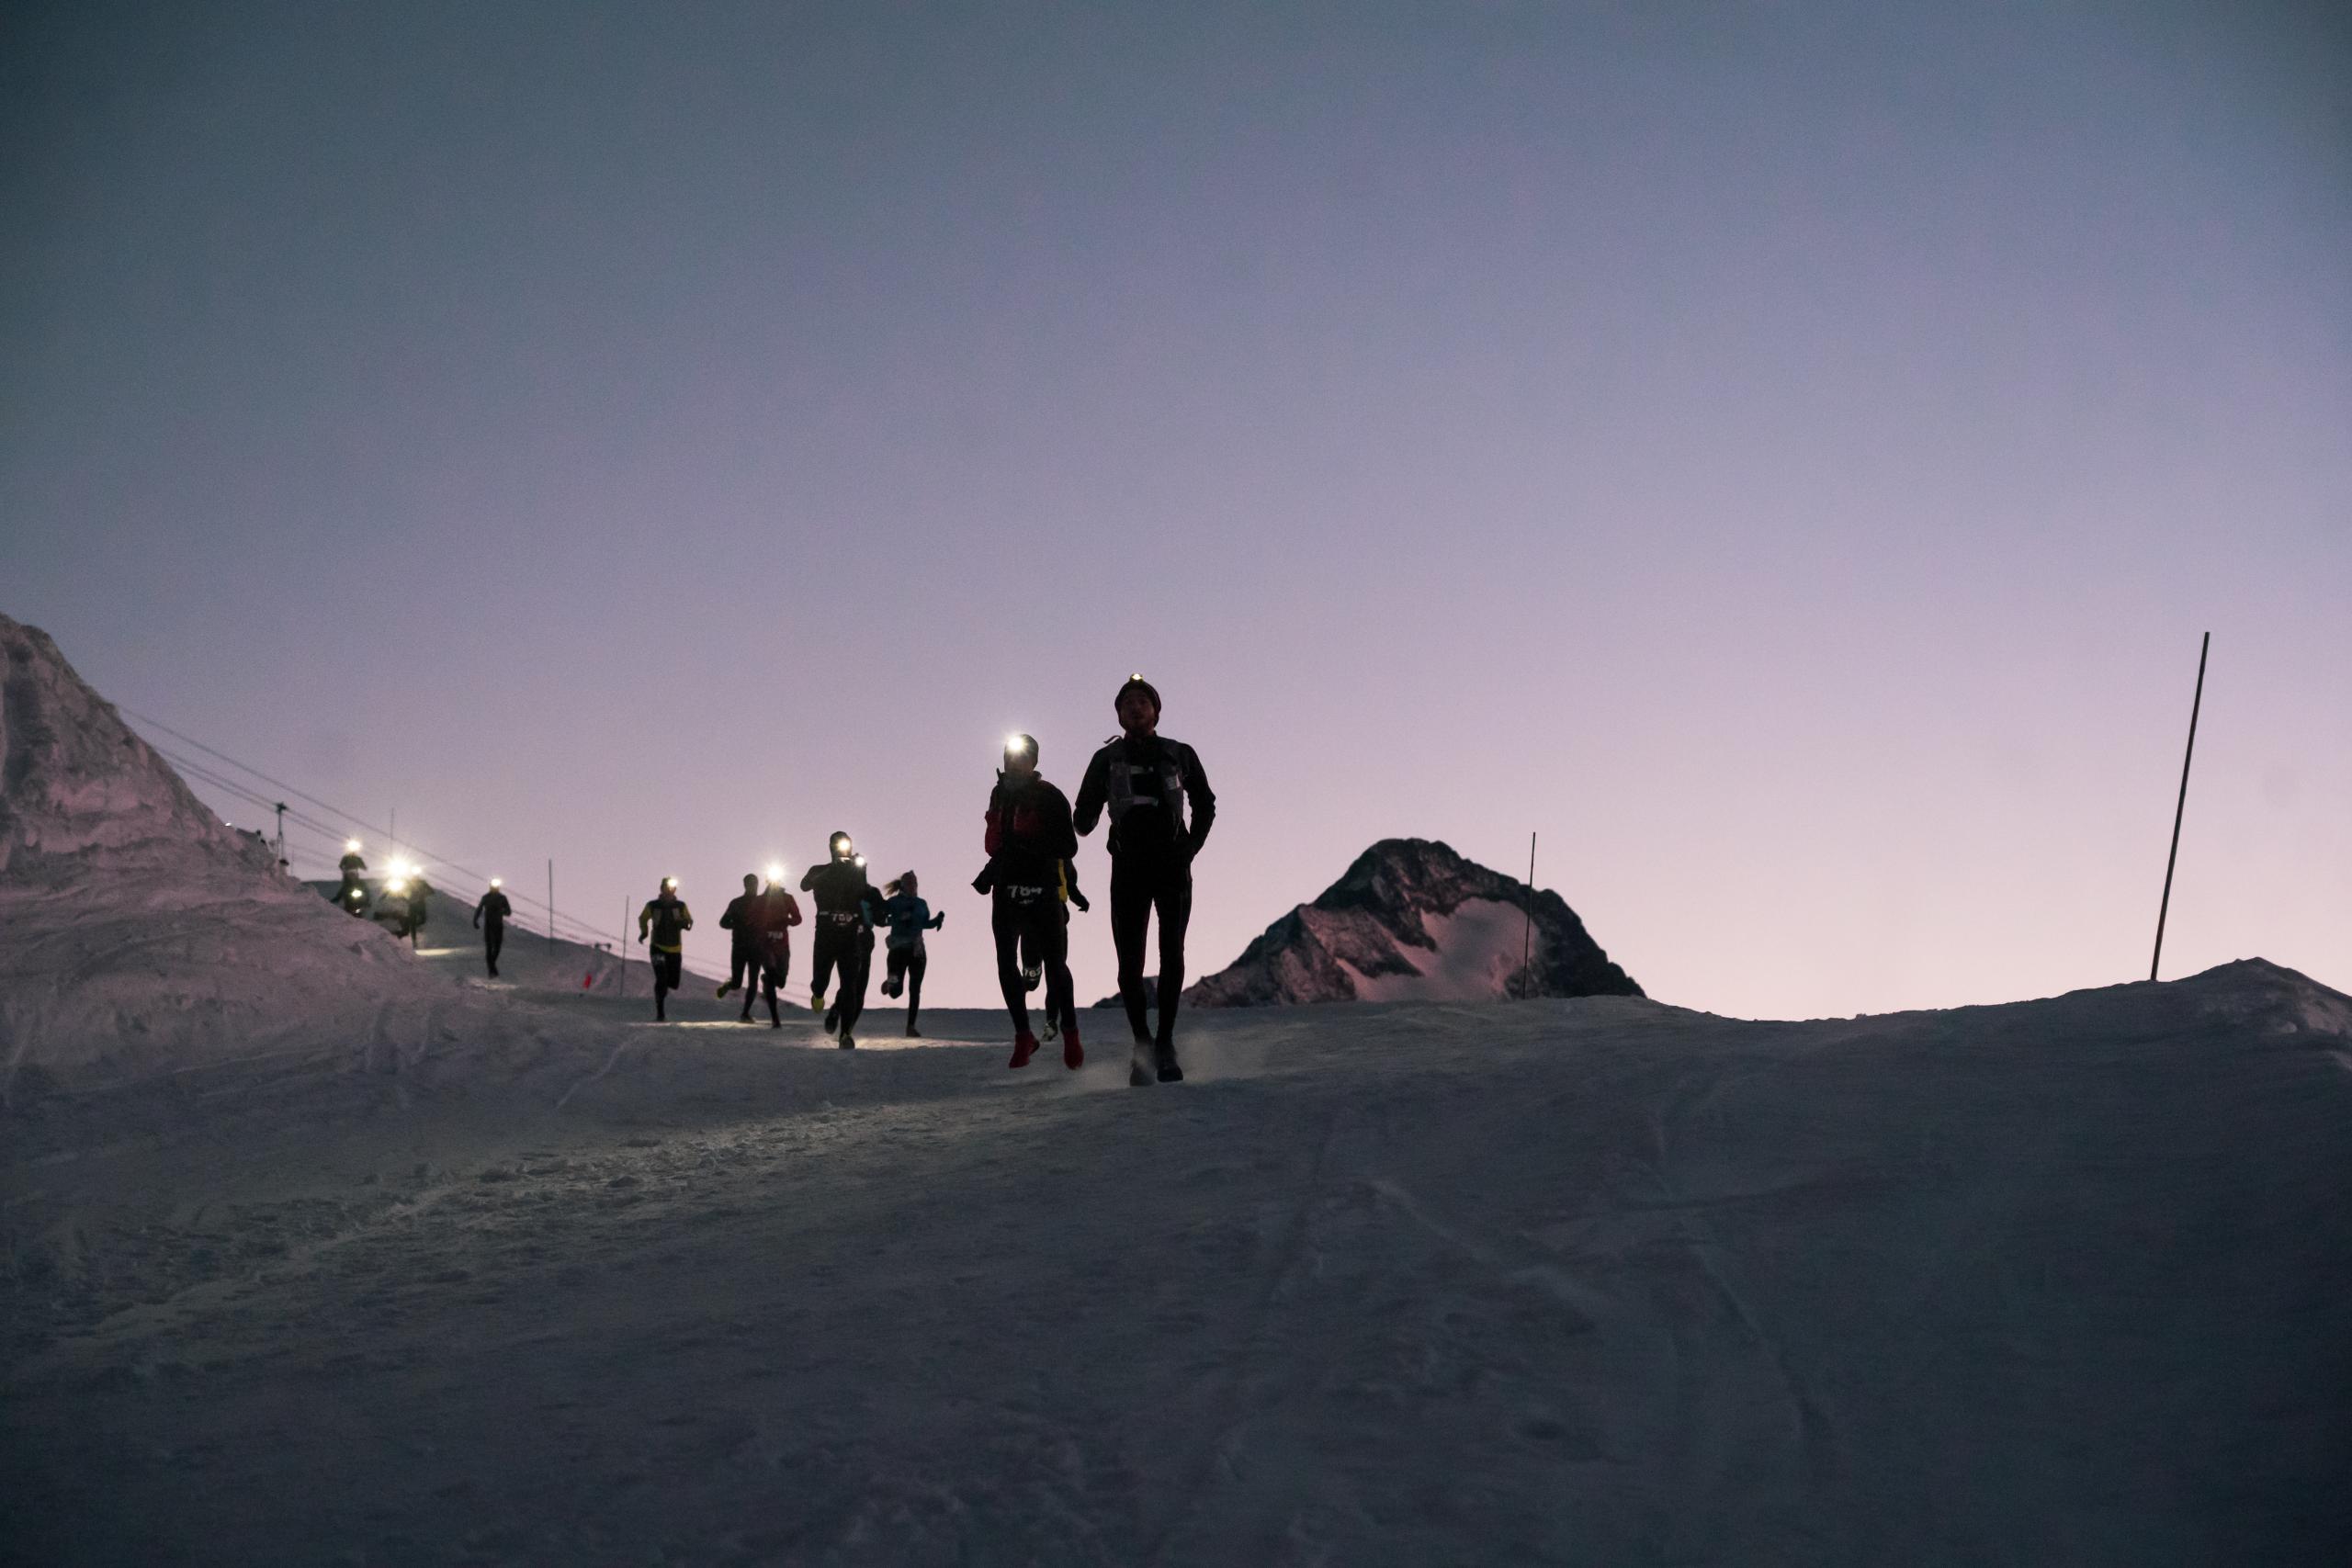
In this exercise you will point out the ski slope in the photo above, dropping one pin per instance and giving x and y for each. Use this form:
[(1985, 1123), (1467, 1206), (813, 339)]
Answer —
[(1592, 1282)]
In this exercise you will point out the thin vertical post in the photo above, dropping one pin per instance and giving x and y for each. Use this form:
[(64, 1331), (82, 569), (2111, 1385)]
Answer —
[(1527, 940), (621, 950), (550, 905), (2182, 807)]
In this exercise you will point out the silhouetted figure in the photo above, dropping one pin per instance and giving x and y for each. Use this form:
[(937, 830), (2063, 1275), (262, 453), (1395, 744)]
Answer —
[(1144, 781), (1029, 837), (908, 916), (779, 912), (845, 911), (662, 925), (490, 919)]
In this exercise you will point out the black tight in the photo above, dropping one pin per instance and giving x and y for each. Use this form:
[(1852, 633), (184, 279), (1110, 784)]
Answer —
[(909, 962), (1138, 886), (1036, 923)]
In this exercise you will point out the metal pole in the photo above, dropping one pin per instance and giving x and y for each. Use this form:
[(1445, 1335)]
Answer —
[(281, 835), (1527, 942), (550, 905), (2180, 806), (621, 950)]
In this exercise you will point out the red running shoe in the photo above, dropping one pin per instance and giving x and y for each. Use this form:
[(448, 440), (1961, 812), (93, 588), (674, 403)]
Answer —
[(1072, 1052), (1024, 1046)]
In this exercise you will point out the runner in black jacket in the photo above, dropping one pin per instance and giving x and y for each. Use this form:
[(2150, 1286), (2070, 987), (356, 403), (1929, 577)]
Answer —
[(744, 917), (844, 933), (491, 916), (662, 925), (1145, 780), (1029, 837)]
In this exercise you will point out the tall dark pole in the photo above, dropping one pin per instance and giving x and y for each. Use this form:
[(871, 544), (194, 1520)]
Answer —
[(2180, 808), (550, 905), (1527, 942)]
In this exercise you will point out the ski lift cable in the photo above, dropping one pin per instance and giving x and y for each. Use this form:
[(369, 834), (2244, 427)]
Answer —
[(568, 925)]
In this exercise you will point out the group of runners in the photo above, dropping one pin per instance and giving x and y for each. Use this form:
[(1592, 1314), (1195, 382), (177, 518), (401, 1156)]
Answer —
[(1160, 809)]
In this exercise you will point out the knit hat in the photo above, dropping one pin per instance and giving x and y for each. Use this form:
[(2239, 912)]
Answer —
[(1138, 683)]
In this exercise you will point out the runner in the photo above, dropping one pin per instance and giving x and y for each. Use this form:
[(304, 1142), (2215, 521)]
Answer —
[(844, 935), (495, 911), (662, 925), (352, 897), (747, 918), (908, 916), (1145, 780), (1028, 838), (780, 911)]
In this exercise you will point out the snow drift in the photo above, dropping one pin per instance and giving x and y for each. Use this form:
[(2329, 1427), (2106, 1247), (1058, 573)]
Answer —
[(1412, 920), (138, 931)]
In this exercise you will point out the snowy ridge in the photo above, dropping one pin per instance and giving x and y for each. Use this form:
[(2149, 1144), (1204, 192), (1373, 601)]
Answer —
[(138, 932), (1412, 920)]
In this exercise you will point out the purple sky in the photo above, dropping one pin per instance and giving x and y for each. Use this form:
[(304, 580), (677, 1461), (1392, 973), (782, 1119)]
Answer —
[(1784, 454)]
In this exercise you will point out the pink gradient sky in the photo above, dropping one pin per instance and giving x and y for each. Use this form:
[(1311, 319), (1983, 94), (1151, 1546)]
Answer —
[(1785, 456)]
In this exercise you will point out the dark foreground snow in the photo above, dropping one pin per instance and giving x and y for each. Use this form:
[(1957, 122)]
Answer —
[(1583, 1282)]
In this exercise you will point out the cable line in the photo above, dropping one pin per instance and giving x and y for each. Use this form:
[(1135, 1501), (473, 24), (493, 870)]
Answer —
[(567, 926)]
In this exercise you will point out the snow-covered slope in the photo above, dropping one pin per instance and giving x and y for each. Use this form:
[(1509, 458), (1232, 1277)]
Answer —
[(1591, 1281), (1411, 920), (136, 931), (449, 943)]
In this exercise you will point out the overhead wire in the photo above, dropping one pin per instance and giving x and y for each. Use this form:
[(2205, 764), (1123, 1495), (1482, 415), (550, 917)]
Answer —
[(565, 925)]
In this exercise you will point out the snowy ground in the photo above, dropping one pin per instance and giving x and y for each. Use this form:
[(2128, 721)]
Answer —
[(1591, 1282)]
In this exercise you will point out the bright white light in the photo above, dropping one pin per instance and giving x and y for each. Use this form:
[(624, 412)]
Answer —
[(351, 846), (775, 870), (859, 861), (396, 885), (1016, 743), (498, 882), (671, 883)]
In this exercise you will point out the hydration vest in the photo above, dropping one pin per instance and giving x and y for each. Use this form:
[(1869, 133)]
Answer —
[(1141, 786)]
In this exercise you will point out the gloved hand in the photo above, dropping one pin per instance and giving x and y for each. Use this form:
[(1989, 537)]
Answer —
[(986, 881), (1079, 900)]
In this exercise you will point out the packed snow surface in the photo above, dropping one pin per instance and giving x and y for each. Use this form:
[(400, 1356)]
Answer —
[(1591, 1281)]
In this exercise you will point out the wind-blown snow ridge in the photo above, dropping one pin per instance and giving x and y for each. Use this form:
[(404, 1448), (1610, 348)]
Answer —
[(138, 931)]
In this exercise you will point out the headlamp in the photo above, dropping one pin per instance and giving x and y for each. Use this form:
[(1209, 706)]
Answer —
[(351, 846), (671, 883), (498, 882), (858, 860), (775, 870), (1016, 744)]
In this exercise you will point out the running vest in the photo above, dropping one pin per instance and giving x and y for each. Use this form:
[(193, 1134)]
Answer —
[(1147, 786)]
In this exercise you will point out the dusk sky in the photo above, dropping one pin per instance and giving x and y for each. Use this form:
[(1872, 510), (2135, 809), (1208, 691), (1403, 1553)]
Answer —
[(1784, 454)]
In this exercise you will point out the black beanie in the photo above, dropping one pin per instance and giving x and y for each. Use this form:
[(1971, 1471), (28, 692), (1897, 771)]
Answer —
[(1138, 683)]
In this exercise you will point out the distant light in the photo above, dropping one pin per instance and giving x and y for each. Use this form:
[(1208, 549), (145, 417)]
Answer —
[(1135, 674), (859, 861), (1016, 743), (775, 870), (498, 882), (351, 846), (671, 883)]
